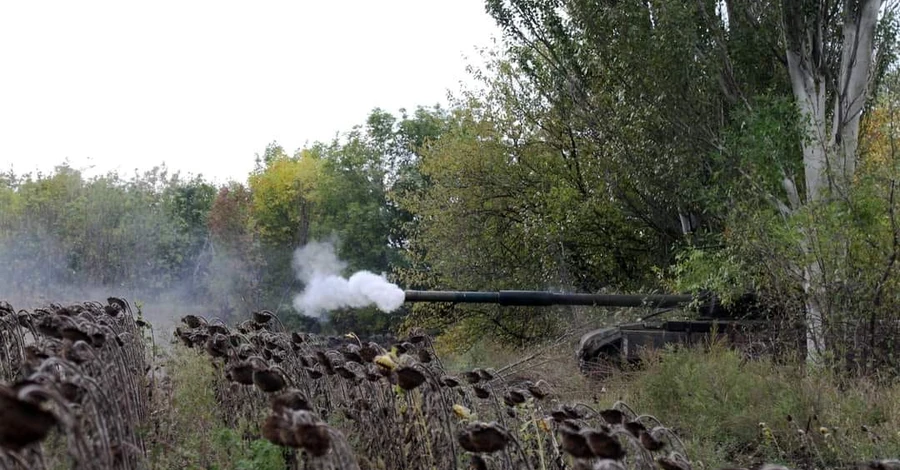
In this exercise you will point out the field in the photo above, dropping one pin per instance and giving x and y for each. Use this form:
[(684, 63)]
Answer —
[(89, 386)]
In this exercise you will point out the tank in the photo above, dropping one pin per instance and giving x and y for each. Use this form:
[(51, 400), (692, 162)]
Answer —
[(619, 344)]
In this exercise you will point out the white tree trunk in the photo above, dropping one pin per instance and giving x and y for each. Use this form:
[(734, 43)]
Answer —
[(809, 92), (857, 55), (815, 327), (829, 157)]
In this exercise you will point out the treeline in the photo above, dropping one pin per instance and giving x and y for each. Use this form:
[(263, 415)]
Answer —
[(161, 235), (630, 146), (62, 229)]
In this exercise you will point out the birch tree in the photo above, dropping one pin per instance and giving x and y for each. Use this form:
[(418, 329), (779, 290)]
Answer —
[(831, 56)]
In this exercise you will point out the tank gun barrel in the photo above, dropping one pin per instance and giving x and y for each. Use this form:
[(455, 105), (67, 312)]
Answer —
[(542, 298)]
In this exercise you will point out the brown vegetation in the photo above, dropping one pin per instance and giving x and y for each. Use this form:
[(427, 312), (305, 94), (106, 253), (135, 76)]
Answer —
[(77, 395), (77, 392)]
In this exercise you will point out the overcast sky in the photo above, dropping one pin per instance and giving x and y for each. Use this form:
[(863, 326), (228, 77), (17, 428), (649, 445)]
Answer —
[(204, 85)]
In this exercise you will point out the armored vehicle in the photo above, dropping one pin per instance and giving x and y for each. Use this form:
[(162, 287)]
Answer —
[(608, 346)]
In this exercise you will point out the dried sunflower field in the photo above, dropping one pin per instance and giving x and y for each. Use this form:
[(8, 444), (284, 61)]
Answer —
[(80, 371), (83, 387)]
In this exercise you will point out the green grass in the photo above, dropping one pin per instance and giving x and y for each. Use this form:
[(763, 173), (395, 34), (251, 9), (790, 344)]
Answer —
[(192, 433)]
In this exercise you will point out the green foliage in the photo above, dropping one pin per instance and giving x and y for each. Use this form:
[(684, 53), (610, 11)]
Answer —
[(353, 202), (192, 407), (364, 172), (849, 237), (511, 201), (473, 216), (719, 271), (648, 117), (260, 453), (758, 150), (338, 191), (696, 147), (592, 150)]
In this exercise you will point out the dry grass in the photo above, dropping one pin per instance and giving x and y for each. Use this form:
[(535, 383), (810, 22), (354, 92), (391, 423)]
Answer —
[(732, 411), (553, 362)]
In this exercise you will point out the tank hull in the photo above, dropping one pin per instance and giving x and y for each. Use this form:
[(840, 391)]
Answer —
[(616, 345)]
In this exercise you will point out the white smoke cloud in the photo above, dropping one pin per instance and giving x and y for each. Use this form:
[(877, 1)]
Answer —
[(317, 265)]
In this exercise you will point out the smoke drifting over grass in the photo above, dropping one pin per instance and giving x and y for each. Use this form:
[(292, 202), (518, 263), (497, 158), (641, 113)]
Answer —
[(319, 268)]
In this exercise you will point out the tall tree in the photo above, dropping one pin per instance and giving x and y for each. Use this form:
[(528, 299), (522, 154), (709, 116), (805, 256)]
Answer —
[(661, 86), (831, 56)]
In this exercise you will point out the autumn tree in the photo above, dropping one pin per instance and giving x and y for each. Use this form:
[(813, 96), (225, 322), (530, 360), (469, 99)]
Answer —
[(284, 195)]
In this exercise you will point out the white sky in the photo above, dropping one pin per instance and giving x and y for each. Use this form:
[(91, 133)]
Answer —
[(204, 85)]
